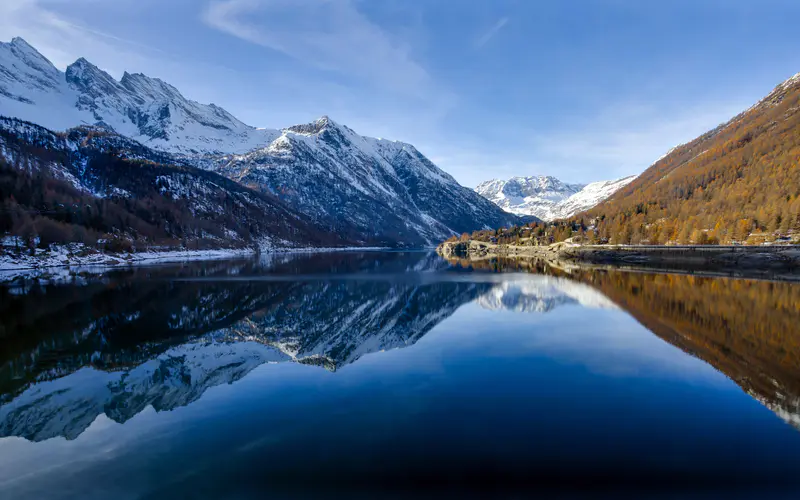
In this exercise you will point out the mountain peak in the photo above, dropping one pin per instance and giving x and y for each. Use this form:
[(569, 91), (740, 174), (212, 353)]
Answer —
[(317, 126), (545, 196), (137, 106), (20, 42), (539, 183), (19, 45), (149, 87), (25, 73), (87, 77), (81, 66), (27, 53)]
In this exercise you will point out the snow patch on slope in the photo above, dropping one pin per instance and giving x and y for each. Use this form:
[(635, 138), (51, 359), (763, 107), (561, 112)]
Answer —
[(146, 109), (590, 196), (377, 191), (546, 197)]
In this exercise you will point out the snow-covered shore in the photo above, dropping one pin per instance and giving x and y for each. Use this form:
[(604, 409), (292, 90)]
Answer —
[(63, 262)]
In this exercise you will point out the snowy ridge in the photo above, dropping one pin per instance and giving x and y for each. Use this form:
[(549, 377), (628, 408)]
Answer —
[(776, 95), (590, 196), (328, 171), (538, 195), (376, 191), (142, 108), (546, 197)]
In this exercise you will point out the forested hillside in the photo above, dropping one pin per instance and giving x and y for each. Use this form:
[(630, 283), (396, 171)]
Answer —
[(102, 190), (365, 190), (739, 183)]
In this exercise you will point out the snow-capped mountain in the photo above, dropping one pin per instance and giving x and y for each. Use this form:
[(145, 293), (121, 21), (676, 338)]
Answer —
[(591, 195), (371, 191), (384, 191), (546, 197), (142, 108), (538, 195), (148, 196)]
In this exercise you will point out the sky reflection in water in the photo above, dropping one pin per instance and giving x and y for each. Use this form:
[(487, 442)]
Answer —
[(452, 383)]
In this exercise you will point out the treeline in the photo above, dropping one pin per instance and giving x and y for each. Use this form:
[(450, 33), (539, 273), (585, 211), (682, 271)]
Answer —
[(535, 233), (40, 210), (737, 184), (114, 194)]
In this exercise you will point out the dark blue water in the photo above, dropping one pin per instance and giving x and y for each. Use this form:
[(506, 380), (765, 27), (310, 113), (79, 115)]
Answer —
[(385, 374)]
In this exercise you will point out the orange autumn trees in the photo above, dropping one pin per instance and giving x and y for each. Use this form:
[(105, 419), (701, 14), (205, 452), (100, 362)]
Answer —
[(738, 183)]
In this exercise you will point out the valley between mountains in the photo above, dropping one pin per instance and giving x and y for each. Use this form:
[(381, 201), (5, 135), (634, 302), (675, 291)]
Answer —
[(735, 185), (103, 165)]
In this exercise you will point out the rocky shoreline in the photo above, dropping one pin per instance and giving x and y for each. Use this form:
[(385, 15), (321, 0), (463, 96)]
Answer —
[(750, 257)]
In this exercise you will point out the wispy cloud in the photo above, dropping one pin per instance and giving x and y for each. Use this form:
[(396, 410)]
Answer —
[(484, 39), (61, 39), (331, 36)]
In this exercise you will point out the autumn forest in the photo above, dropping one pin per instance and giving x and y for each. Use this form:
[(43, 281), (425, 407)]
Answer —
[(737, 184)]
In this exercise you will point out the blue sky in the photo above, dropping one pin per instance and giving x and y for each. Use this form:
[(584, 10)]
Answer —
[(581, 89)]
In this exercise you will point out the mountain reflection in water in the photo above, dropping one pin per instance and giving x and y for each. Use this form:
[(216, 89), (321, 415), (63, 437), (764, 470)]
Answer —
[(748, 329), (162, 336), (147, 339)]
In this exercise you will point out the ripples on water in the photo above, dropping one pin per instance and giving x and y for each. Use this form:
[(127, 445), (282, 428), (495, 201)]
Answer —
[(396, 372)]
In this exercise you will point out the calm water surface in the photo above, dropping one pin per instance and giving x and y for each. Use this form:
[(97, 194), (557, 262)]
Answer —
[(397, 373)]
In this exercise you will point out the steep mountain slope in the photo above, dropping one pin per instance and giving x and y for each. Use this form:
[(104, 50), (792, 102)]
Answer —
[(371, 191), (90, 185), (143, 108), (546, 197), (379, 190), (737, 182)]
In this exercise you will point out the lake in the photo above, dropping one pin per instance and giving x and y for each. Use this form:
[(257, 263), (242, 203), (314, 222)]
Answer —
[(397, 373)]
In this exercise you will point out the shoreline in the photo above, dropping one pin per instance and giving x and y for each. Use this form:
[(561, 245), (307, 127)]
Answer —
[(62, 262), (746, 257)]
